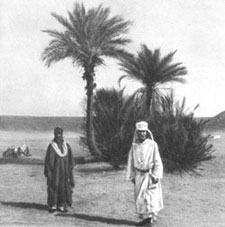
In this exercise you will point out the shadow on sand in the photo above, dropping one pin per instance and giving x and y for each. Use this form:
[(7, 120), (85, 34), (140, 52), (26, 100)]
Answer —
[(98, 169), (34, 161), (21, 161), (26, 205), (86, 217), (99, 219)]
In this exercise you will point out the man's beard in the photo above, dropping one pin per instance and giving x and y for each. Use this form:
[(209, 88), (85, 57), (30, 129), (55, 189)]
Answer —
[(142, 139), (59, 140)]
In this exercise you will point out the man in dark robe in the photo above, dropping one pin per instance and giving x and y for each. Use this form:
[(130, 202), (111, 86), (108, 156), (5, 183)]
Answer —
[(58, 170)]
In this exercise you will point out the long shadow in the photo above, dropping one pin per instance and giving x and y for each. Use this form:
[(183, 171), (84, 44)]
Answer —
[(99, 219), (86, 217), (21, 161), (36, 161), (98, 169), (26, 205)]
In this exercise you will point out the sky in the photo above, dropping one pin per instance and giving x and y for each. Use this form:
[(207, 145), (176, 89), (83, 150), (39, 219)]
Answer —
[(195, 28)]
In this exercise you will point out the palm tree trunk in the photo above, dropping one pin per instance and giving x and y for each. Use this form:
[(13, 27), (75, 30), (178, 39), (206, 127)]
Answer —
[(93, 149), (148, 100)]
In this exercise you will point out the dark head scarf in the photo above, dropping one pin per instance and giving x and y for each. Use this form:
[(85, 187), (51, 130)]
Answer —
[(57, 130)]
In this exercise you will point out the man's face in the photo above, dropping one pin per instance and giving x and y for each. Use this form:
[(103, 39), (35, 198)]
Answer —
[(141, 135), (58, 135)]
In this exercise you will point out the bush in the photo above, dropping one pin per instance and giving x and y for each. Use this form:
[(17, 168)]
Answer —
[(182, 144), (110, 109), (179, 135)]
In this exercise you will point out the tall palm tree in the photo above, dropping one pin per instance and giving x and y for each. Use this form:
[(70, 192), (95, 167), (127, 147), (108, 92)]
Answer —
[(151, 70), (88, 36)]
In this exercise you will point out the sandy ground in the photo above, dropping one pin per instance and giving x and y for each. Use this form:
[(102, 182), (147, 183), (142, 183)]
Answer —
[(102, 197)]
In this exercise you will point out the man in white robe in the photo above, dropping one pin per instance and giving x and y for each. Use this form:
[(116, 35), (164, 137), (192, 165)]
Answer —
[(145, 170)]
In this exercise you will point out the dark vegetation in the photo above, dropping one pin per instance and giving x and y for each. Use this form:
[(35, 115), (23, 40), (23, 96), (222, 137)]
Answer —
[(88, 36), (91, 35), (182, 143)]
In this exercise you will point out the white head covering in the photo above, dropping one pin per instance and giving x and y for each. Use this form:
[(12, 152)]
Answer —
[(142, 125)]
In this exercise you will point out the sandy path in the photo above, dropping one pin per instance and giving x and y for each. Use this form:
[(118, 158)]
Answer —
[(102, 197)]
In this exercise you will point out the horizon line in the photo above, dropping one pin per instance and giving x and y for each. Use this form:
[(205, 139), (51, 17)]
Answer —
[(5, 115), (42, 116)]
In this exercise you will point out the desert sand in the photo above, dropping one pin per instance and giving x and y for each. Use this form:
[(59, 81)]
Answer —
[(102, 197)]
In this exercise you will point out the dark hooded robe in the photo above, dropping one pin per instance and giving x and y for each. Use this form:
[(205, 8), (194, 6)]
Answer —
[(58, 170)]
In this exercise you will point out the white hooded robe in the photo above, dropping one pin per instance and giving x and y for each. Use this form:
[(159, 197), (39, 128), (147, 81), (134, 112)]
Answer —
[(148, 196)]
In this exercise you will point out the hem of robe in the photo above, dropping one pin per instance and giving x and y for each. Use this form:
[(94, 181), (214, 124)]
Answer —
[(150, 211), (149, 215)]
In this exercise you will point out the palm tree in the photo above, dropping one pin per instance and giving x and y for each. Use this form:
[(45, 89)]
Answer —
[(113, 124), (88, 36), (151, 70)]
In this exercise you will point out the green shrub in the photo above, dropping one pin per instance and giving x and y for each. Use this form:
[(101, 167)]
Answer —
[(182, 144), (180, 138), (110, 114)]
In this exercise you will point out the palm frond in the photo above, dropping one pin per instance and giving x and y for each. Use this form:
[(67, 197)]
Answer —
[(167, 59), (63, 21), (151, 70), (88, 36)]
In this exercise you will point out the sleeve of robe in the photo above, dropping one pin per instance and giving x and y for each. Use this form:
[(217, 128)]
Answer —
[(130, 166), (158, 166), (49, 164), (71, 166)]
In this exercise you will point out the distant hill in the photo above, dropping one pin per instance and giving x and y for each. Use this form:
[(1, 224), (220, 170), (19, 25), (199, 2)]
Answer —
[(39, 123), (203, 118), (217, 122), (28, 123)]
